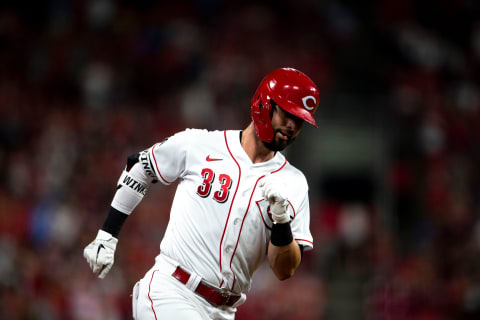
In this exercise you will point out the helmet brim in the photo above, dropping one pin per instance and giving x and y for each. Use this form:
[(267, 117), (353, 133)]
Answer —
[(297, 111)]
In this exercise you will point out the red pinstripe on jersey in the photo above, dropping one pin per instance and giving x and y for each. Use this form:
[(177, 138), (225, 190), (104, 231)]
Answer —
[(304, 240), (246, 211), (231, 203), (294, 213), (261, 215), (154, 159), (151, 301), (283, 165), (243, 220), (241, 227)]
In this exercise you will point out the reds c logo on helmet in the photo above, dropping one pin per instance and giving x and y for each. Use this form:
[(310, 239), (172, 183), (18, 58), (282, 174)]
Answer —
[(305, 99), (291, 90)]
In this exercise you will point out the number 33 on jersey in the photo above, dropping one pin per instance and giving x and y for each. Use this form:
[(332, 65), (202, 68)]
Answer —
[(218, 213)]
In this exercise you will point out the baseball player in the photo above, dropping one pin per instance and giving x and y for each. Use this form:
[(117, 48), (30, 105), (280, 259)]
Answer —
[(238, 201)]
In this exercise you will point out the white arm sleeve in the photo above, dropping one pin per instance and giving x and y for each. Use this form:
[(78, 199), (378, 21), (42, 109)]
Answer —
[(131, 188), (164, 162)]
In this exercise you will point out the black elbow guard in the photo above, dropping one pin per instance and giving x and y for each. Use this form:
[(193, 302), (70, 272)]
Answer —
[(131, 160)]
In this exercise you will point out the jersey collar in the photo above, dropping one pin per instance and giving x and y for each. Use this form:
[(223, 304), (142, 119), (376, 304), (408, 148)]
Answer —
[(232, 137)]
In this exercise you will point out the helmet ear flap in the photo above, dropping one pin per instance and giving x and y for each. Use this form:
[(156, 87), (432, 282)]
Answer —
[(260, 112)]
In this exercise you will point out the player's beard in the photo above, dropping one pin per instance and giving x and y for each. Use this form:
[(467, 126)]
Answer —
[(277, 144)]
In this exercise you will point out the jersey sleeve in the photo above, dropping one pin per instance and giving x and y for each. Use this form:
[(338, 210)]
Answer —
[(166, 160), (301, 225)]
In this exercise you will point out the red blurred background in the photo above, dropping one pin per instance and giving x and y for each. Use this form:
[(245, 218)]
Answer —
[(393, 169)]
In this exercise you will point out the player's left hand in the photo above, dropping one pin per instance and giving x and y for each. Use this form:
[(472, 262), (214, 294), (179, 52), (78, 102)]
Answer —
[(273, 190), (99, 253)]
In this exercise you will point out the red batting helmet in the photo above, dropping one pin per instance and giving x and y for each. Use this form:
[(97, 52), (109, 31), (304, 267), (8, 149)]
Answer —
[(291, 90)]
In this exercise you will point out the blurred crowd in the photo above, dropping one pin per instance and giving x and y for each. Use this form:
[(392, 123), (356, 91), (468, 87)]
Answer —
[(85, 84)]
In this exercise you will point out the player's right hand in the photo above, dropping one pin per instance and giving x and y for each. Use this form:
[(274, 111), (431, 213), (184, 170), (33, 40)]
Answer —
[(273, 190), (99, 253)]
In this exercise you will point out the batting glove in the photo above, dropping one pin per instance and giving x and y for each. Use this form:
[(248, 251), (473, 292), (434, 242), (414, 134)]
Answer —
[(99, 253), (273, 190)]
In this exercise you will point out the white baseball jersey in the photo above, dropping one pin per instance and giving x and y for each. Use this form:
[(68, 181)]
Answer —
[(219, 222)]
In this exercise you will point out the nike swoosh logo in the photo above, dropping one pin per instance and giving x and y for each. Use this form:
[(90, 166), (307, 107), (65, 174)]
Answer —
[(98, 251), (212, 159)]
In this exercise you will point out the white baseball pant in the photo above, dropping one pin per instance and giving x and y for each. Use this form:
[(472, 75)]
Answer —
[(158, 295)]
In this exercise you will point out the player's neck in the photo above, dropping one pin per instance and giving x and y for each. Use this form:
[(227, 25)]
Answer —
[(254, 147)]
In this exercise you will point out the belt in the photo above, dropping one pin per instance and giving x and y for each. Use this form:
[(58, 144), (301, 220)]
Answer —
[(212, 295)]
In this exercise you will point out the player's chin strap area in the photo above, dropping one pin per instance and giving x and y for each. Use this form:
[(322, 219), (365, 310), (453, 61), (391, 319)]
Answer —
[(215, 296)]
